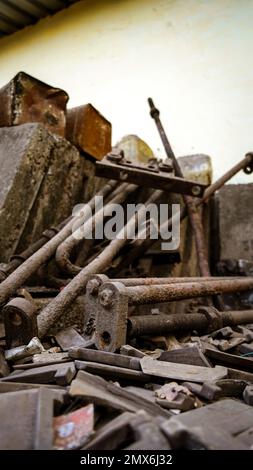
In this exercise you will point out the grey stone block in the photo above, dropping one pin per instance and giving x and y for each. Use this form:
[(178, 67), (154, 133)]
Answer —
[(235, 220), (41, 179)]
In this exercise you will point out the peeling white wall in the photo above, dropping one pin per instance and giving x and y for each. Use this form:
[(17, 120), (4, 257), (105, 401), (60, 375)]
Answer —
[(193, 57)]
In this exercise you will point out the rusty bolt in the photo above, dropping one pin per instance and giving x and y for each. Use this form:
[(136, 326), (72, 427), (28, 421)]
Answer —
[(116, 155), (154, 112), (196, 190), (106, 297), (166, 166)]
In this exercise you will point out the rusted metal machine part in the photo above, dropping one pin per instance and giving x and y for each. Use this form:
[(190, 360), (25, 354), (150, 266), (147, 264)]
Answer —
[(20, 322), (21, 318), (152, 176), (64, 250), (27, 417), (89, 131), (165, 293), (27, 99), (16, 279), (97, 282), (110, 312), (149, 281), (17, 260), (194, 215), (141, 246), (77, 286), (144, 325)]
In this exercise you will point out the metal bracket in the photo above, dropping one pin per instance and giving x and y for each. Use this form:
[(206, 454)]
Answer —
[(20, 322), (213, 316), (112, 310), (156, 175)]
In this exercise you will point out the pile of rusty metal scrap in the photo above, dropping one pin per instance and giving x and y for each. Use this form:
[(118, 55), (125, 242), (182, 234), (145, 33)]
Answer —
[(115, 343)]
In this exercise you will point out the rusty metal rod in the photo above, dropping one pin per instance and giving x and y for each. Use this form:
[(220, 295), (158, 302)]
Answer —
[(139, 295), (76, 287), (64, 250), (145, 325), (245, 163), (16, 279), (149, 281), (17, 259), (194, 215)]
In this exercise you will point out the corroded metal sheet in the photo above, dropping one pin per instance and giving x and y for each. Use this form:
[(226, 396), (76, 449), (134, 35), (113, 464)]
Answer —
[(26, 99), (89, 131)]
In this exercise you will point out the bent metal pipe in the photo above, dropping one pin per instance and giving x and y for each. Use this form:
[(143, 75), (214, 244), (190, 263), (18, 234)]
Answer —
[(16, 279), (64, 250)]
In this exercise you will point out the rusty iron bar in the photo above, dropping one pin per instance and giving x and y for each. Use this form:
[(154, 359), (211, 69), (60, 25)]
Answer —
[(18, 277), (18, 259), (245, 164), (58, 306), (139, 295), (141, 246), (145, 325), (64, 250), (194, 215), (149, 281)]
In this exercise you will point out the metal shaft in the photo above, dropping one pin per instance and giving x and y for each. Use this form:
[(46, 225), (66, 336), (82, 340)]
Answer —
[(149, 281), (145, 325), (244, 164), (139, 295)]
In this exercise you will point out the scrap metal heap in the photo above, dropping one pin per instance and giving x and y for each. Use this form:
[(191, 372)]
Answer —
[(115, 344)]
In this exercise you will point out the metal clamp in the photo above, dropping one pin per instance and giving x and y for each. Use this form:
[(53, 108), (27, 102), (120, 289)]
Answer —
[(213, 316), (20, 322)]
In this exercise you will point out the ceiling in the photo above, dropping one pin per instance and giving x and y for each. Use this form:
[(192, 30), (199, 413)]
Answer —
[(16, 14)]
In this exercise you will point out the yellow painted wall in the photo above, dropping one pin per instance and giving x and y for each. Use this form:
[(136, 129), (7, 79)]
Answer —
[(194, 57)]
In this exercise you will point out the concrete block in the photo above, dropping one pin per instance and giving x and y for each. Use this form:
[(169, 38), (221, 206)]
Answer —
[(235, 219), (42, 178)]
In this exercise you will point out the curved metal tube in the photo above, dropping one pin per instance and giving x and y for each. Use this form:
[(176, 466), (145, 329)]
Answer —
[(76, 287), (64, 250)]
